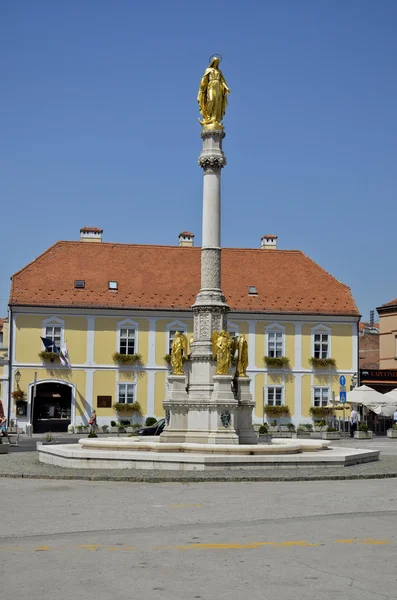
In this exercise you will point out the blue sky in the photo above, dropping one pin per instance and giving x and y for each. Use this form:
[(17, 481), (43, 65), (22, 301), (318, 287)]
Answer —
[(99, 127)]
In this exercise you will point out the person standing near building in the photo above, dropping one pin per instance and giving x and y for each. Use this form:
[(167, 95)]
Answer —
[(353, 422), (395, 417)]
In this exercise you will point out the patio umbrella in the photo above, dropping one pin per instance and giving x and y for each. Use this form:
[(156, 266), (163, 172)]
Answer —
[(392, 395), (363, 395), (383, 405)]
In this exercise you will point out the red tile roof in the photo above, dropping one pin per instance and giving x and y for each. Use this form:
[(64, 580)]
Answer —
[(391, 303), (366, 325), (168, 277)]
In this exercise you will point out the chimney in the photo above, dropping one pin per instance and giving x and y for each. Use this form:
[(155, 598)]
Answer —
[(91, 234), (186, 239), (269, 242)]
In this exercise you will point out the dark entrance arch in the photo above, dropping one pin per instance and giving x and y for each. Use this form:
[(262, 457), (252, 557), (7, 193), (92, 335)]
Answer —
[(52, 407)]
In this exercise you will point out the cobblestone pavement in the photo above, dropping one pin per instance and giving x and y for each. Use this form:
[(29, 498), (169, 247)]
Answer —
[(27, 465)]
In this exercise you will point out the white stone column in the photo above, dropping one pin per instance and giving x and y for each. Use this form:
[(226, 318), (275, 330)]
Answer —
[(208, 412)]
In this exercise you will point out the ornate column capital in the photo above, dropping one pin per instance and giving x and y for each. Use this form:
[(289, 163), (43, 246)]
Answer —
[(212, 164)]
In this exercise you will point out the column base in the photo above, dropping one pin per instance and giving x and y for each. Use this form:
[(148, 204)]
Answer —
[(246, 405)]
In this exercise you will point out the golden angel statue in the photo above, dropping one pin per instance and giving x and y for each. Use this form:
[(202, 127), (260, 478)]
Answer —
[(179, 345), (212, 96), (221, 348), (241, 345)]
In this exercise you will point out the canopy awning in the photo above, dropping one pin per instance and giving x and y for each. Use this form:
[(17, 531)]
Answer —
[(381, 404)]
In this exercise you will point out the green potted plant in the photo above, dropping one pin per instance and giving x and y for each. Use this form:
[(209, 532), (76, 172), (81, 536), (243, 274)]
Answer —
[(321, 412), (319, 425), (21, 403), (273, 427), (331, 433), (124, 409), (105, 428), (276, 412), (127, 360), (303, 430), (264, 436), (392, 432), (322, 363), (273, 362), (363, 432), (51, 357)]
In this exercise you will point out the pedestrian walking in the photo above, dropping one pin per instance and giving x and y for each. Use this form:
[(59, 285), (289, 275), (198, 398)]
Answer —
[(92, 422), (3, 428), (353, 422)]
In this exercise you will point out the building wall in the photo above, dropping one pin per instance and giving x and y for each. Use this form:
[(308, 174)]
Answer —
[(4, 367), (92, 339), (388, 340), (369, 350)]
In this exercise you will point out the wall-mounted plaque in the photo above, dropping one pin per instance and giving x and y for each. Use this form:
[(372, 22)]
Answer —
[(104, 401)]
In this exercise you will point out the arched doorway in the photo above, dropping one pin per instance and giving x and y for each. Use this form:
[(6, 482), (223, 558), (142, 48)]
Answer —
[(52, 408)]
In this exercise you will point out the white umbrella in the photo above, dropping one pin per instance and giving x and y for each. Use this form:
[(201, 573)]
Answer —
[(392, 395), (363, 395), (381, 404)]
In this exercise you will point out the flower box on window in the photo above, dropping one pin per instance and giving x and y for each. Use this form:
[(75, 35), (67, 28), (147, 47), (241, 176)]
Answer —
[(279, 362), (127, 359), (321, 412), (322, 363), (49, 356), (276, 411), (130, 408)]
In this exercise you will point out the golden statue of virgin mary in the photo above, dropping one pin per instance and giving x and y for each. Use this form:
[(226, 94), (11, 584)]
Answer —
[(212, 96)]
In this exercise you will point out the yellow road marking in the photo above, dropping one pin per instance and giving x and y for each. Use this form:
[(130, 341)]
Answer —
[(88, 547), (215, 546), (344, 541), (371, 541), (233, 546)]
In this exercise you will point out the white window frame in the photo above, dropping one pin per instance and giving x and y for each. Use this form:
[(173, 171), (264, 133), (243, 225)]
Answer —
[(322, 388), (233, 328), (128, 324), (174, 326), (126, 383), (274, 328), (324, 330), (268, 387), (54, 322)]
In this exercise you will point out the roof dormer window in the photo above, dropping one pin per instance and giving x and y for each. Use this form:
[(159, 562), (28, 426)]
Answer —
[(113, 285)]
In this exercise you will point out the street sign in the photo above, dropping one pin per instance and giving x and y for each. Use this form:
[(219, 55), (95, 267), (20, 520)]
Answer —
[(342, 380), (342, 397)]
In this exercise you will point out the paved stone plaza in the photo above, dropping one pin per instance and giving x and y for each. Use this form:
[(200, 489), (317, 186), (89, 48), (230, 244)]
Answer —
[(20, 463), (172, 541)]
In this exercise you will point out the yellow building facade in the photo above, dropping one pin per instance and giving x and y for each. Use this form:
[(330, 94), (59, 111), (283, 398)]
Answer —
[(101, 301), (92, 340)]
